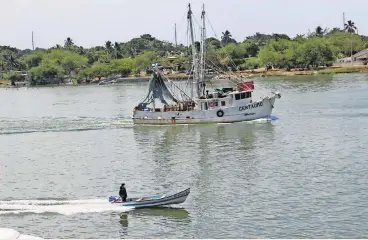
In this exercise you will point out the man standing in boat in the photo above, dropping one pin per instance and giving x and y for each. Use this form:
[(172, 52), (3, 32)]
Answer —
[(123, 192)]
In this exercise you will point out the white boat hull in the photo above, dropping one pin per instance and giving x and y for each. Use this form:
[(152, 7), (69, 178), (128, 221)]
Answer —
[(249, 112)]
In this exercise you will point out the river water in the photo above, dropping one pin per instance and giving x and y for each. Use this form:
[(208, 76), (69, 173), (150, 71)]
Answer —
[(64, 150)]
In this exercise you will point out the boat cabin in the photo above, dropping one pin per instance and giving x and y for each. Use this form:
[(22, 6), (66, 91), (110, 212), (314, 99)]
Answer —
[(231, 99), (220, 98)]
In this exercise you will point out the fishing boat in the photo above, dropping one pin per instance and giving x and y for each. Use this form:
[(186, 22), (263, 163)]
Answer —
[(198, 105), (152, 201)]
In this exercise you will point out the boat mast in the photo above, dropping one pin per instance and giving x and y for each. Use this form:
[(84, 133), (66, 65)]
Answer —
[(203, 51), (194, 53)]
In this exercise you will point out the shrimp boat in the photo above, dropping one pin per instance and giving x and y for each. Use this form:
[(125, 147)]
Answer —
[(198, 105)]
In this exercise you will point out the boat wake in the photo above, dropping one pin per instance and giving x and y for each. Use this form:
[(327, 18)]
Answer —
[(61, 125), (63, 207)]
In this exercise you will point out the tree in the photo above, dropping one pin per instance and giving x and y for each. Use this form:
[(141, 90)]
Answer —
[(117, 50), (278, 37), (319, 31), (147, 37), (214, 42), (299, 38), (13, 77), (68, 42), (251, 47), (260, 39), (72, 61), (350, 28), (97, 54), (109, 48), (144, 61), (34, 59), (333, 31), (48, 69), (226, 38), (341, 46), (123, 66), (250, 63), (10, 62), (99, 70)]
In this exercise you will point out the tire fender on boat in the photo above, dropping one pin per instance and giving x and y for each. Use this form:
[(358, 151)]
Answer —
[(220, 113)]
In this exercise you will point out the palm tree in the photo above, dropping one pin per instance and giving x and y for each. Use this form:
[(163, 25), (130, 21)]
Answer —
[(108, 46), (350, 28), (226, 37), (319, 31), (68, 42), (11, 63), (117, 49)]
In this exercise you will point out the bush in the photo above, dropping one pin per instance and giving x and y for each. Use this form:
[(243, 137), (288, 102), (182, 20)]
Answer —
[(250, 64)]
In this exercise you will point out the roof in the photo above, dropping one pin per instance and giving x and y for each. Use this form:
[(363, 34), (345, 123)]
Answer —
[(363, 53)]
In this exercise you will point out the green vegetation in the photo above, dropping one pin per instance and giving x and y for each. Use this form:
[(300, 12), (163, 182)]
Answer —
[(276, 51)]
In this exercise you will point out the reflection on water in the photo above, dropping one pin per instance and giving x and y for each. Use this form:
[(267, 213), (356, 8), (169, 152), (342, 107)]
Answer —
[(162, 217), (123, 232), (167, 212), (124, 220)]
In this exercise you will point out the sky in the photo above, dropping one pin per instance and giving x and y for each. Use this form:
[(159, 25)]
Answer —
[(93, 22)]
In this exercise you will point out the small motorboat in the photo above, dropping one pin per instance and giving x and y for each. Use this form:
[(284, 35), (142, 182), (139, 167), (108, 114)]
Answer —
[(152, 201)]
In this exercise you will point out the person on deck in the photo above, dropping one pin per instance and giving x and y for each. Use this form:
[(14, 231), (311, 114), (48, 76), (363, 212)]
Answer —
[(123, 192)]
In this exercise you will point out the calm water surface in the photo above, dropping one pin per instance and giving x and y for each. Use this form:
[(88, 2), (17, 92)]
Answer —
[(64, 150)]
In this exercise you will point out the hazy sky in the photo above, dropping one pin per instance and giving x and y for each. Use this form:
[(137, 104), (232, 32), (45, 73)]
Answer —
[(92, 22)]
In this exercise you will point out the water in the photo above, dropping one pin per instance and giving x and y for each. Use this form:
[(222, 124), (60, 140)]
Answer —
[(64, 150)]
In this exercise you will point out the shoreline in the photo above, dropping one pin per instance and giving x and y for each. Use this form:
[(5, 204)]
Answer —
[(244, 74)]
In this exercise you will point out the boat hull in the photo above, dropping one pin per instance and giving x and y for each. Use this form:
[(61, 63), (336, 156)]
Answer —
[(253, 111), (155, 201)]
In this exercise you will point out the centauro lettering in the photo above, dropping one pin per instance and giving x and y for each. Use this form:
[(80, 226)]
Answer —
[(251, 106)]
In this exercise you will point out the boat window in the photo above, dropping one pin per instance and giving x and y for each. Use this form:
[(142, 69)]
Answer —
[(242, 95), (223, 103), (204, 106), (216, 104), (249, 94), (237, 96)]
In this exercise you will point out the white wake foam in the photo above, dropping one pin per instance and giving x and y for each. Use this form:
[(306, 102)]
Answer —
[(64, 207)]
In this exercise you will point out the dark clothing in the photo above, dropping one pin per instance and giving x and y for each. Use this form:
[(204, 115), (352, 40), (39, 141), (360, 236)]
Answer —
[(123, 193)]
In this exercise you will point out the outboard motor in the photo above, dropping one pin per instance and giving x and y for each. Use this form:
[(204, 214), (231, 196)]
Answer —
[(112, 199)]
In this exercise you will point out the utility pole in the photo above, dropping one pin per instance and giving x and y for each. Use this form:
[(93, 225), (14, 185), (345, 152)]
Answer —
[(176, 39), (343, 20), (32, 42)]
